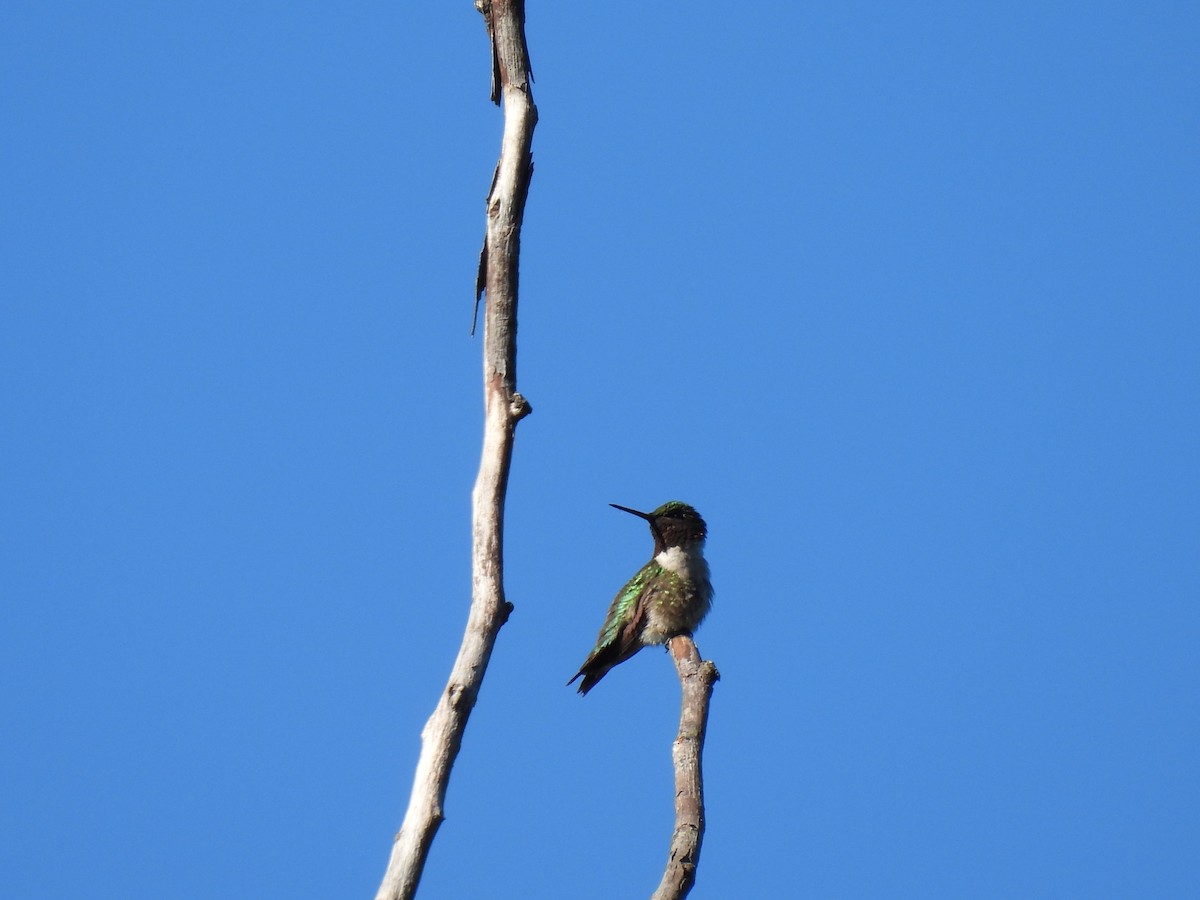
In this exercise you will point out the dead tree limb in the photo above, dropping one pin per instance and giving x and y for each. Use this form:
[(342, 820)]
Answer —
[(696, 679), (503, 408)]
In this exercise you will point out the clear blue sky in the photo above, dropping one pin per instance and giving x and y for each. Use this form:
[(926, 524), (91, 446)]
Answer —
[(903, 299)]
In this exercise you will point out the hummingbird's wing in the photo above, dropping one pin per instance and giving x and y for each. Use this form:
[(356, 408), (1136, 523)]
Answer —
[(620, 637)]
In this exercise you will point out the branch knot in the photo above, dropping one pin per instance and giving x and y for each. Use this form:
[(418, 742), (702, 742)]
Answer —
[(518, 407)]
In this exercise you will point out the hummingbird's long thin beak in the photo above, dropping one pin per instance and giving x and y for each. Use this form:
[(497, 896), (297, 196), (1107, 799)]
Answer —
[(635, 512)]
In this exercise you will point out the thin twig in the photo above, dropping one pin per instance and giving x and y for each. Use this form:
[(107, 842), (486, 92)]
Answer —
[(503, 408), (696, 679)]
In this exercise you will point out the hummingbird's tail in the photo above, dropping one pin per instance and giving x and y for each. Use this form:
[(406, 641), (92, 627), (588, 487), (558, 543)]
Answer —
[(590, 677), (601, 660)]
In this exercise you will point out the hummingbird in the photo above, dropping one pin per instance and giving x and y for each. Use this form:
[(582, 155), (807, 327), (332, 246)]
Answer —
[(669, 595)]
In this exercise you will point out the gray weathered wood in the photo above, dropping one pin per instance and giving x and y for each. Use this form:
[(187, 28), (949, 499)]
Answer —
[(503, 408), (696, 678)]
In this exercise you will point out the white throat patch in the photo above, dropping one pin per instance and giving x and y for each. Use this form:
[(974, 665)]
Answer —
[(674, 560)]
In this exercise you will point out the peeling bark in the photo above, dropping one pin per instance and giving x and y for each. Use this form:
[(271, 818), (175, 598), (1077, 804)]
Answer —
[(504, 407), (696, 679)]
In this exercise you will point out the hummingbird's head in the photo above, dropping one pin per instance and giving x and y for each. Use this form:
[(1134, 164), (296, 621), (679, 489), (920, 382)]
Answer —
[(673, 524)]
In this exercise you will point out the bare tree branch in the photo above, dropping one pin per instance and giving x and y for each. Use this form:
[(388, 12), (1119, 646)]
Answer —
[(503, 408), (696, 679)]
